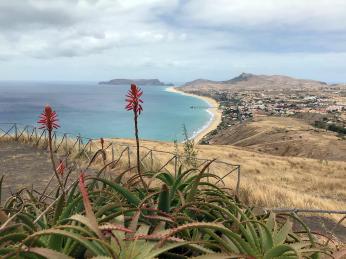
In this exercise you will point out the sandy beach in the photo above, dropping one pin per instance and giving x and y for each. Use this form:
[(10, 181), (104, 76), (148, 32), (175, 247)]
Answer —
[(214, 110)]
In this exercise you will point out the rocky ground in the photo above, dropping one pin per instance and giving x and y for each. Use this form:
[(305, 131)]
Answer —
[(23, 166)]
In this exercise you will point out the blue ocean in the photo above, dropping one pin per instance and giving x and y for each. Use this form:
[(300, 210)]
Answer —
[(95, 111)]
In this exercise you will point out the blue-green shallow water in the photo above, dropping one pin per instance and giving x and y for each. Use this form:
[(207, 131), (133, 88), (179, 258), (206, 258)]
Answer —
[(96, 111)]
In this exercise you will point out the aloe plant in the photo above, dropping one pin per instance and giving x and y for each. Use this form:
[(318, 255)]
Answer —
[(185, 217)]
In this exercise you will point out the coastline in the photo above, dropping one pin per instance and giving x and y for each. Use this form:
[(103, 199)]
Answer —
[(215, 112)]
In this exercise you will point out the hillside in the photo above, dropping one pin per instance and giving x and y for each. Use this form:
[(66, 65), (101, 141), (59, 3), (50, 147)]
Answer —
[(266, 180), (284, 137), (248, 81), (274, 181), (309, 188)]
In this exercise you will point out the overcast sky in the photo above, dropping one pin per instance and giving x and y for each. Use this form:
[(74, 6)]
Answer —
[(173, 40)]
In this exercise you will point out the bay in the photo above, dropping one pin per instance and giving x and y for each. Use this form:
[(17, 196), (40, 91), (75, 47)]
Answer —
[(95, 111)]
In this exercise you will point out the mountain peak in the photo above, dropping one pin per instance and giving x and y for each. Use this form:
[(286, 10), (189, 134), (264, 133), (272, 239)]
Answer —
[(242, 77), (245, 75)]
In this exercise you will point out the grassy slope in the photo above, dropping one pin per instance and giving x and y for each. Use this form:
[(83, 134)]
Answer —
[(275, 181), (285, 137), (269, 180)]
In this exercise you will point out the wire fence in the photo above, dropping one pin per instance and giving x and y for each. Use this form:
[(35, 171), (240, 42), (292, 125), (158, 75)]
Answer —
[(66, 144), (119, 153)]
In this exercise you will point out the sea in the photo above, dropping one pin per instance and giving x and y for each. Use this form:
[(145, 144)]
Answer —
[(96, 111)]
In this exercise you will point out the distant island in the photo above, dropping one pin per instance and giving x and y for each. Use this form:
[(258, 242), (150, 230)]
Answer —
[(135, 81)]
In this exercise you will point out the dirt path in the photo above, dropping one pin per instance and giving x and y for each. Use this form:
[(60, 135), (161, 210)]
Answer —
[(23, 166)]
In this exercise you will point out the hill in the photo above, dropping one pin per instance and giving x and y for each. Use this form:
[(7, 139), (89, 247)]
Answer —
[(199, 82), (248, 81), (283, 136)]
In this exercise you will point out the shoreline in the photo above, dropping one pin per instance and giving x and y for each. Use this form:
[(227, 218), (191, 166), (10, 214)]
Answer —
[(214, 110)]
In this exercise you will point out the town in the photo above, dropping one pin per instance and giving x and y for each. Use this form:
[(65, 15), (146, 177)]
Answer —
[(322, 108)]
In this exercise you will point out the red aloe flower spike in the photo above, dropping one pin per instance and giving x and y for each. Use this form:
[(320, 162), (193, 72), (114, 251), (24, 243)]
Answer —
[(48, 119), (133, 99), (61, 168)]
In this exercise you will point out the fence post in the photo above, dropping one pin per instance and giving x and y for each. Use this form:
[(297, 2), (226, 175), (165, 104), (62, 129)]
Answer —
[(112, 152), (27, 133), (79, 142), (15, 132), (208, 174), (175, 165), (151, 160), (128, 155), (32, 133), (208, 170), (66, 146), (238, 181)]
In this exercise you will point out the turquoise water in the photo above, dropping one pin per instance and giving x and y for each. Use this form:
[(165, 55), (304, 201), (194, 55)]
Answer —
[(96, 111)]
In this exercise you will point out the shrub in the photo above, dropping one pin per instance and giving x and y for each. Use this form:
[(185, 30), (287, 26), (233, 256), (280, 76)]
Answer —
[(190, 152)]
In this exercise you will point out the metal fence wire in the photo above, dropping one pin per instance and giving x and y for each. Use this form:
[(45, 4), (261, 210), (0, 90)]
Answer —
[(67, 144)]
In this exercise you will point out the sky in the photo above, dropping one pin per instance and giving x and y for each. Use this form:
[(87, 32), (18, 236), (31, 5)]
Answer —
[(173, 40)]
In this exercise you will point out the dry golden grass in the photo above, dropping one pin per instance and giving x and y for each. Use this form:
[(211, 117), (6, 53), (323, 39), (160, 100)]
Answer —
[(274, 181), (284, 136), (266, 180)]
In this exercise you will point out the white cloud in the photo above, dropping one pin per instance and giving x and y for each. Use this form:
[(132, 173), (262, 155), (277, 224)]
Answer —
[(318, 15), (64, 28), (173, 39)]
